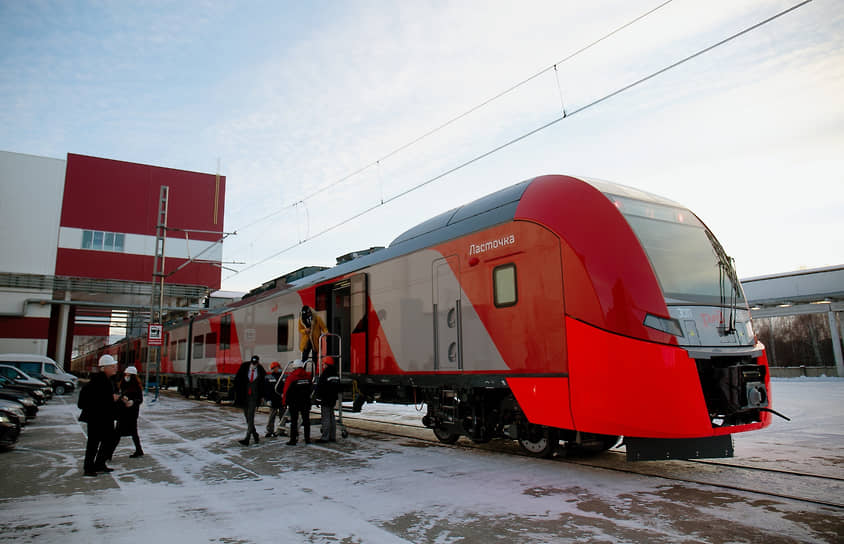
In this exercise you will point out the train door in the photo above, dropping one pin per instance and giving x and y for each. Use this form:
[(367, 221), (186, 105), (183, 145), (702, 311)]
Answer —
[(447, 329), (357, 353), (345, 306), (335, 299)]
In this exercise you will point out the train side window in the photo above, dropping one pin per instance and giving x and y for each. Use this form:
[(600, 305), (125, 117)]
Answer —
[(173, 350), (198, 345), (505, 291), (225, 331), (284, 338), (211, 345), (183, 350)]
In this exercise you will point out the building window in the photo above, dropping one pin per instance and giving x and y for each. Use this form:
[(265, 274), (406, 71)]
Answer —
[(103, 241), (504, 285)]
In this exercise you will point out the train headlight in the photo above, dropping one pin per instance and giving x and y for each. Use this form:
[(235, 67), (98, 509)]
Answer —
[(666, 325)]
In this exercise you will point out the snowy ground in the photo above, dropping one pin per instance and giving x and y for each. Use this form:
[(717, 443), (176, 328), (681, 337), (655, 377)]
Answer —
[(197, 484)]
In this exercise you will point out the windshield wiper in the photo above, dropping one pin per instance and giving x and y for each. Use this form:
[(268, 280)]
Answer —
[(726, 273)]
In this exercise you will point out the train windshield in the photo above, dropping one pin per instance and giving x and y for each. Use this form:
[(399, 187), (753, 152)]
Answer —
[(689, 262)]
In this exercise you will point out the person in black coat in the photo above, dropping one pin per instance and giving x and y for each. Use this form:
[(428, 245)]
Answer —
[(131, 397), (98, 401), (328, 389), (248, 392), (297, 398)]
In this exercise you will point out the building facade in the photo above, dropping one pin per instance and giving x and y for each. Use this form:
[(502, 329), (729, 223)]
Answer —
[(79, 243)]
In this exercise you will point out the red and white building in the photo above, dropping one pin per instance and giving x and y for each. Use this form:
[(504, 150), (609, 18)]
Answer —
[(78, 247)]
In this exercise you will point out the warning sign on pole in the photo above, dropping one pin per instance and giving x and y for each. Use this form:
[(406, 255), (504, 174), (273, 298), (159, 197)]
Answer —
[(155, 337)]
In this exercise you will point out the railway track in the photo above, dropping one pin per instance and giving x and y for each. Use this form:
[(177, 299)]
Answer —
[(773, 482), (770, 482)]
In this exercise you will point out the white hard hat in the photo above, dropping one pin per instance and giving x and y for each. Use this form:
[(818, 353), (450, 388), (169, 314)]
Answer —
[(296, 364), (131, 370), (107, 360)]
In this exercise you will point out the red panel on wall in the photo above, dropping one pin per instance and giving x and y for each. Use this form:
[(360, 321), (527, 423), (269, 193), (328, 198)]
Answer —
[(84, 263), (25, 327), (115, 196), (90, 330)]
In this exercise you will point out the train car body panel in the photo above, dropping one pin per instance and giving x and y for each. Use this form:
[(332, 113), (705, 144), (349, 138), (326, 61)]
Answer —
[(558, 308), (622, 385), (545, 401), (608, 278)]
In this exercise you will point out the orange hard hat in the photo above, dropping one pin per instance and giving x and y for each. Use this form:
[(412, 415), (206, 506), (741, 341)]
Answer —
[(274, 365), (329, 360)]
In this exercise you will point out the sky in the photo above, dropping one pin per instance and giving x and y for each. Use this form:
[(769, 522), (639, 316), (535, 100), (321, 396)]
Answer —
[(307, 109), (195, 483)]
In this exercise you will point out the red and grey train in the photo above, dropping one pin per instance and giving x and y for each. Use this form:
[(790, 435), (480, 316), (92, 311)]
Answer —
[(560, 309)]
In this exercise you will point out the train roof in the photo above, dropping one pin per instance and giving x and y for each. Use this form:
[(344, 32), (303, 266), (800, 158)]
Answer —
[(493, 209)]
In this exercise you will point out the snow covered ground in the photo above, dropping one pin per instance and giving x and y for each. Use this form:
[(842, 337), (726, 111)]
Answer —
[(197, 484)]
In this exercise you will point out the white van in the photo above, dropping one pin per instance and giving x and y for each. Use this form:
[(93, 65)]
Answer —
[(39, 365)]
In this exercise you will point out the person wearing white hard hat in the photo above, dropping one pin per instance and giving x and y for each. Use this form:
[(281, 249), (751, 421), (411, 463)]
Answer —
[(98, 401), (131, 397)]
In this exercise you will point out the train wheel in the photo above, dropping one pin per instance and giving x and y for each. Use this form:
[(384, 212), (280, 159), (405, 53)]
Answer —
[(446, 437), (539, 441)]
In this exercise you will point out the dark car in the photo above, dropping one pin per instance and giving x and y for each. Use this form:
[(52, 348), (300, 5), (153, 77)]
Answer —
[(10, 429), (59, 387), (15, 408), (23, 379), (34, 393), (21, 397)]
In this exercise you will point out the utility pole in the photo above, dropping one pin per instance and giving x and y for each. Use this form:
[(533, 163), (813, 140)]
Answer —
[(157, 303)]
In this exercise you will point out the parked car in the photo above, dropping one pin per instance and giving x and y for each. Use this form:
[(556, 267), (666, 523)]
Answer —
[(21, 378), (20, 397), (40, 365), (10, 429), (16, 408), (58, 387), (35, 394)]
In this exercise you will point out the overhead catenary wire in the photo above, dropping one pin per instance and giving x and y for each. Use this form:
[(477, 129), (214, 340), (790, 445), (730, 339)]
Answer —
[(565, 115), (453, 120)]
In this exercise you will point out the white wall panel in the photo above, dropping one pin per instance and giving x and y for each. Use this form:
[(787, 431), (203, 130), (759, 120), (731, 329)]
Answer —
[(23, 345), (11, 302), (31, 192), (139, 244)]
